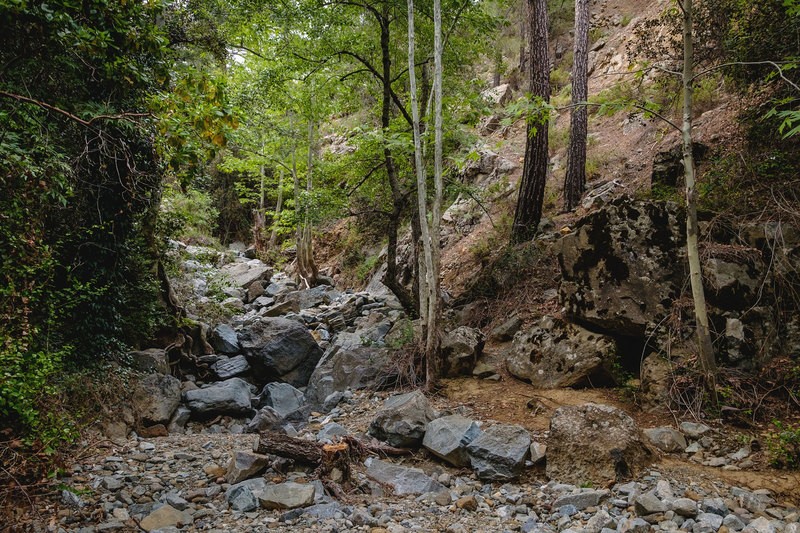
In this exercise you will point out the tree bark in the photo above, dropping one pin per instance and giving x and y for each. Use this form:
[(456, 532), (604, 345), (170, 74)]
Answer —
[(524, 29), (708, 364), (273, 238), (575, 179), (306, 268), (534, 173)]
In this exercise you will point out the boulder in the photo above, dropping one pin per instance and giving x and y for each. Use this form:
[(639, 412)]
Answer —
[(668, 166), (151, 360), (223, 339), (283, 398), (734, 279), (288, 495), (656, 379), (555, 354), (245, 464), (401, 479), (265, 419), (164, 517), (256, 290), (243, 496), (280, 349), (666, 439), (402, 420), (460, 350), (227, 367), (623, 266), (499, 453), (330, 431), (506, 331), (229, 397), (179, 419), (245, 273), (155, 398), (448, 437), (500, 95), (594, 443)]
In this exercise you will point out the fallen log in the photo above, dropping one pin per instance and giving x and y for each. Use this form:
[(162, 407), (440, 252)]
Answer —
[(316, 454)]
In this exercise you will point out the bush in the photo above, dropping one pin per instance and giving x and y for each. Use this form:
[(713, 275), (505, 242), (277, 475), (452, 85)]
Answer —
[(784, 445)]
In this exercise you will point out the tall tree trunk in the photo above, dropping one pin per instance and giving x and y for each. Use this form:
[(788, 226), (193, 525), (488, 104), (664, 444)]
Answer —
[(534, 173), (524, 29), (260, 216), (273, 238), (306, 268), (575, 179), (707, 362)]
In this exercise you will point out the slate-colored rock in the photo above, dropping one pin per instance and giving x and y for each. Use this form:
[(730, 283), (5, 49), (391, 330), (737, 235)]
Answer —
[(150, 360), (402, 420), (245, 464), (666, 439), (499, 453), (229, 397), (460, 350), (448, 437), (647, 504), (231, 367), (179, 419), (243, 496), (594, 443), (694, 430), (581, 500), (506, 331), (554, 354), (331, 430), (155, 398), (280, 349), (287, 495), (224, 339), (283, 398), (684, 507), (403, 480), (243, 274)]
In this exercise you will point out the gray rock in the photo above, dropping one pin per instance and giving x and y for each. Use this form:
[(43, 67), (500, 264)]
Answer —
[(282, 397), (331, 430), (581, 500), (666, 439), (71, 499), (401, 479), (230, 397), (499, 453), (256, 290), (265, 419), (245, 464), (538, 452), (555, 354), (279, 348), (594, 443), (287, 495), (243, 496), (505, 331), (460, 350), (165, 516), (710, 519), (224, 340), (151, 360), (733, 522), (684, 507), (155, 398), (646, 504), (179, 419), (174, 499), (243, 274), (402, 420), (231, 367), (693, 430), (448, 437), (348, 364), (332, 400)]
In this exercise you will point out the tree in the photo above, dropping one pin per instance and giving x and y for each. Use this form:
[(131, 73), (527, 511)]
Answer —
[(575, 179), (534, 173)]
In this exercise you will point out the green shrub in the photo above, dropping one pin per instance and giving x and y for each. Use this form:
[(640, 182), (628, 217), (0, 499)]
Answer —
[(783, 445)]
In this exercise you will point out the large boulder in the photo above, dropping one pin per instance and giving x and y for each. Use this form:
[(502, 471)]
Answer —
[(499, 453), (347, 364), (594, 443), (460, 350), (280, 349), (245, 273), (402, 420), (228, 367), (623, 266), (224, 340), (229, 397), (555, 354), (448, 437), (283, 398), (151, 360), (155, 398)]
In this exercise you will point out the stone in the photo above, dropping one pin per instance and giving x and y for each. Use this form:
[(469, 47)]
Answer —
[(289, 495), (733, 283), (179, 419), (714, 521), (283, 398), (460, 350), (483, 370), (468, 503), (694, 430), (554, 354), (231, 367), (243, 496), (165, 516), (244, 465), (402, 420), (401, 479), (224, 340), (500, 95), (666, 439), (256, 290), (499, 453), (656, 380), (448, 437), (229, 397), (505, 331), (155, 398), (668, 166), (280, 349), (734, 523), (151, 360), (594, 443), (581, 500), (715, 506), (244, 274), (684, 507), (265, 419), (331, 430), (175, 500), (538, 452), (647, 504)]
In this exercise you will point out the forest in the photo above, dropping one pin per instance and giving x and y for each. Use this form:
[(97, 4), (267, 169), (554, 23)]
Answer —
[(414, 220)]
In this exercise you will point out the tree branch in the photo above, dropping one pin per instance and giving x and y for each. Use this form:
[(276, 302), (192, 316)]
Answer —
[(87, 123)]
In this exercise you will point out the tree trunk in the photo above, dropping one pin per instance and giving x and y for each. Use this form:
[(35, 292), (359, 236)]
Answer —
[(534, 173), (708, 364), (306, 268), (575, 179), (260, 217), (524, 28), (273, 238)]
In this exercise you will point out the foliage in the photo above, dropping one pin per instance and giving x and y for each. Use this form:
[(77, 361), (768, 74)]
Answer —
[(783, 445), (189, 217)]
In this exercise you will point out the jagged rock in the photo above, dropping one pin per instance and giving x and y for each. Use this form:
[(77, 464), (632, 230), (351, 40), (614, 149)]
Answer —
[(283, 398), (460, 350), (684, 507), (266, 418), (499, 453), (244, 465), (224, 340), (163, 517), (554, 354), (288, 495), (647, 504), (331, 430), (594, 443), (500, 95), (666, 439), (403, 480), (623, 266), (278, 348), (256, 290), (347, 364), (581, 500), (538, 452), (231, 367), (243, 496), (179, 419), (448, 437), (505, 331), (155, 398), (151, 360), (229, 397), (244, 274), (402, 420), (656, 379), (733, 282), (668, 165)]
